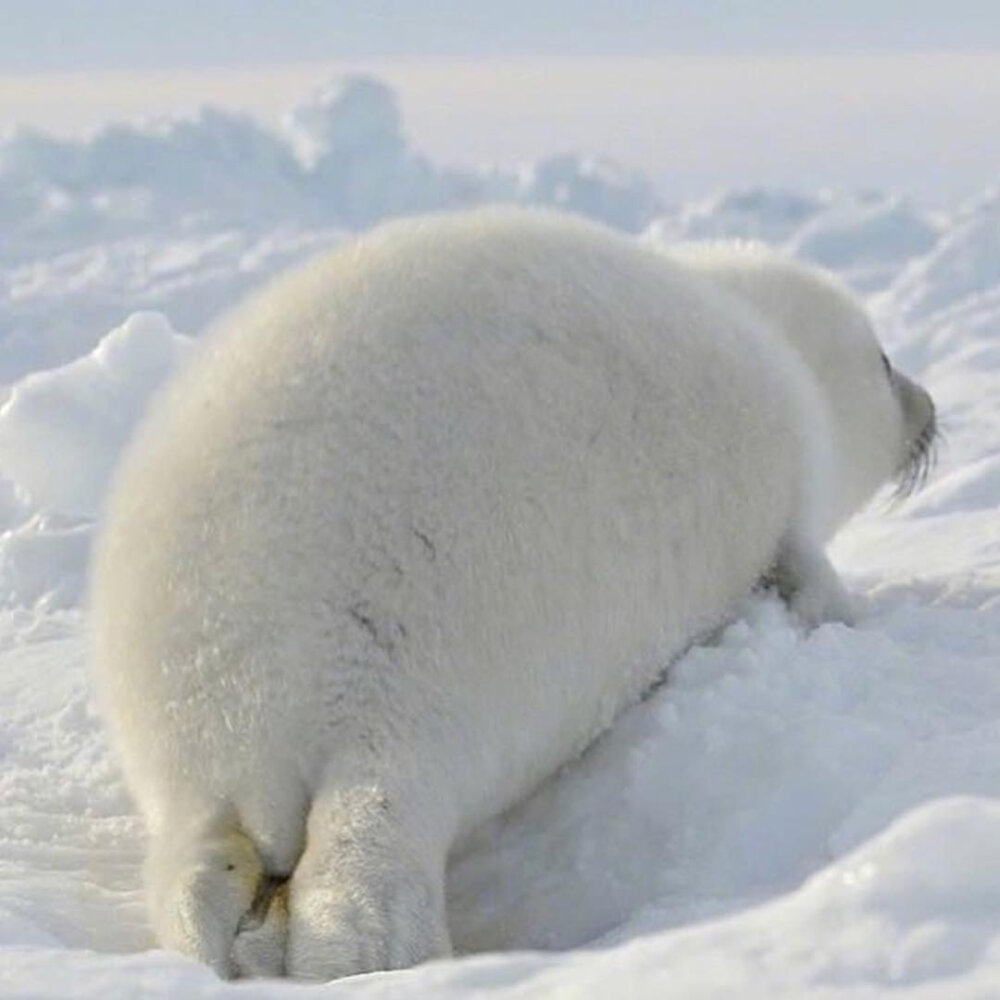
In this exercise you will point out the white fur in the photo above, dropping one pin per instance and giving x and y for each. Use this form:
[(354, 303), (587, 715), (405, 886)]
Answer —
[(420, 521)]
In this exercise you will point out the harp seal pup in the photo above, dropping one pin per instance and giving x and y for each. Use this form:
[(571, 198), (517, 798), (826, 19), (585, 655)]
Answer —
[(421, 519)]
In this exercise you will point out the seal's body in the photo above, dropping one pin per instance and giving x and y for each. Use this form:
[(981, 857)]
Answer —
[(417, 524)]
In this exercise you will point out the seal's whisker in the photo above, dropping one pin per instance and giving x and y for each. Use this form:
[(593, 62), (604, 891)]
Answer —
[(920, 460)]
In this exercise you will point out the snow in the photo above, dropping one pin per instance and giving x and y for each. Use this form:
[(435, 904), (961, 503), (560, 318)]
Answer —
[(752, 213), (83, 412), (867, 241), (792, 814)]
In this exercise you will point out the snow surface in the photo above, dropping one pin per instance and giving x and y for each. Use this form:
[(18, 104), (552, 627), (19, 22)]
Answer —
[(790, 815)]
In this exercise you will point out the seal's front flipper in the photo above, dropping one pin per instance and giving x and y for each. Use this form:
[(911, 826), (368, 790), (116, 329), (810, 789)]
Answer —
[(809, 585)]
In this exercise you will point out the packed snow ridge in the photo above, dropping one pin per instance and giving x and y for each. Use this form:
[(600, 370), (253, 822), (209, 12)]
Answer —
[(791, 815), (342, 159)]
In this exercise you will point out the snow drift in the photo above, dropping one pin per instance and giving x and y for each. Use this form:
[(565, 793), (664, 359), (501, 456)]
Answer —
[(83, 413), (342, 159)]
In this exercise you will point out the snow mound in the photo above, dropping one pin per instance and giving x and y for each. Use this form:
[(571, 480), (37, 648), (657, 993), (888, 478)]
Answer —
[(868, 240), (350, 116), (590, 186), (179, 174), (43, 563), (349, 135), (343, 159), (84, 412), (961, 278), (57, 308), (889, 917), (182, 216), (748, 213), (61, 432), (762, 756)]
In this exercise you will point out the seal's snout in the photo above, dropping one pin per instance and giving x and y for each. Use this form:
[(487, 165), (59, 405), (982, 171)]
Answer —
[(919, 438)]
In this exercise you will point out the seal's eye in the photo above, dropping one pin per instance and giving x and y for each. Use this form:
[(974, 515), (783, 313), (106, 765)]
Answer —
[(886, 365)]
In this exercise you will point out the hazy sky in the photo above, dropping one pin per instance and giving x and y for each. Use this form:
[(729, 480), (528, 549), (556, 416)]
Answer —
[(698, 94), (63, 34)]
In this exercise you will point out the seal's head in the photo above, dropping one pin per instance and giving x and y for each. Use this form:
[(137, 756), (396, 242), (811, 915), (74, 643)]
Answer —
[(883, 424)]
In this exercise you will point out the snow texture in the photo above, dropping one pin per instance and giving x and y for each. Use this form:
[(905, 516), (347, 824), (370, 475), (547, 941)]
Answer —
[(790, 815)]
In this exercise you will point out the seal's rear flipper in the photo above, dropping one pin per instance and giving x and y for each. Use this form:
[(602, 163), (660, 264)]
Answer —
[(262, 936), (368, 892), (204, 880)]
